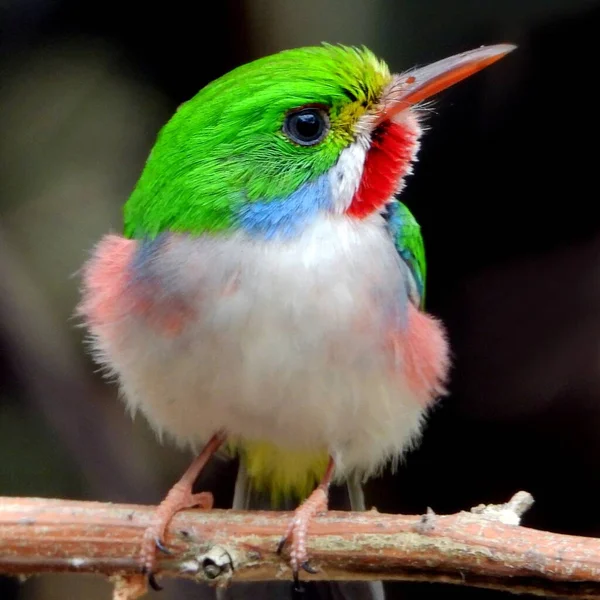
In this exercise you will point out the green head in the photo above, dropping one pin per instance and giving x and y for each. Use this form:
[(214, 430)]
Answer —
[(230, 144), (307, 126)]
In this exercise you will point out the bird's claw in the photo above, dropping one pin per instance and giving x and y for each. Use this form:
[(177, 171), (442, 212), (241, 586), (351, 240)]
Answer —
[(177, 499), (151, 579), (162, 547), (296, 534), (146, 571), (306, 566), (281, 544), (153, 583), (297, 587)]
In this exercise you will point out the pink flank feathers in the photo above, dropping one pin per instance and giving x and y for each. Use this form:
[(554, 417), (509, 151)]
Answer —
[(105, 280), (111, 293), (423, 351)]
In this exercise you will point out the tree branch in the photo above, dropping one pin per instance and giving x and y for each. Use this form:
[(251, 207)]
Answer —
[(485, 547)]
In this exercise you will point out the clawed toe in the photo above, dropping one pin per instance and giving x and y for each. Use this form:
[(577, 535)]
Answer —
[(281, 544), (153, 583), (297, 531), (297, 587), (306, 566), (151, 579), (162, 547)]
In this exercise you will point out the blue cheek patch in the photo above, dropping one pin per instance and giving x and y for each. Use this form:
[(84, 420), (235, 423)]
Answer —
[(285, 218)]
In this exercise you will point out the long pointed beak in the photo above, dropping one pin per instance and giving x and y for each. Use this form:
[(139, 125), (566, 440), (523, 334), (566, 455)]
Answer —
[(412, 87)]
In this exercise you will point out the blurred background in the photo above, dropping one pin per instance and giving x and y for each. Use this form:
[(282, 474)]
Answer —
[(505, 189)]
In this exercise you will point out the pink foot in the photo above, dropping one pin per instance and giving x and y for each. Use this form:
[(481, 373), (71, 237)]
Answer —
[(179, 498), (298, 528)]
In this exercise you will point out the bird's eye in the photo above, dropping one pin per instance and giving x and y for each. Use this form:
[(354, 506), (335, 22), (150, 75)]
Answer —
[(307, 126)]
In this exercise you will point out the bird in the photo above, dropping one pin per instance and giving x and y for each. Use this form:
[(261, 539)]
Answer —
[(266, 297)]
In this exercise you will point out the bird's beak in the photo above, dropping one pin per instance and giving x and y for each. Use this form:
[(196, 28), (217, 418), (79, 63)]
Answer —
[(407, 89)]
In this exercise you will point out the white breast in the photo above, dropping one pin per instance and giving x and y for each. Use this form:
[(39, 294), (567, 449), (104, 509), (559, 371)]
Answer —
[(288, 344)]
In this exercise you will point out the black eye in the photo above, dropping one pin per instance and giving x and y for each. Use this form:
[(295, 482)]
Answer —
[(307, 126)]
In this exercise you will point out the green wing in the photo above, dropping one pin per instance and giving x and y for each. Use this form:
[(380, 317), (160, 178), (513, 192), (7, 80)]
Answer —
[(406, 233)]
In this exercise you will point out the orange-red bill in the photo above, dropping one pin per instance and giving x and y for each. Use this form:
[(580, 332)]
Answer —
[(417, 85)]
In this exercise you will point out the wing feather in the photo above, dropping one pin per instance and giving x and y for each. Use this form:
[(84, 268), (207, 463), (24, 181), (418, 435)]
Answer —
[(406, 233)]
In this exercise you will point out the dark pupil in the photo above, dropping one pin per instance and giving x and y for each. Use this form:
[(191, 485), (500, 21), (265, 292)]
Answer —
[(308, 126)]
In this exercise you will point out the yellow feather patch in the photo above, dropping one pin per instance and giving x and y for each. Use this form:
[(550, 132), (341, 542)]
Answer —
[(281, 473), (345, 116), (344, 122)]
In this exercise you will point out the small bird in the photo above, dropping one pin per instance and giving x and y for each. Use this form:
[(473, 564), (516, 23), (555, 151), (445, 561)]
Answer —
[(266, 298)]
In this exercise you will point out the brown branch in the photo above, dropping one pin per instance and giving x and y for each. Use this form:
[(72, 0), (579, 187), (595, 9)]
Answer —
[(485, 547)]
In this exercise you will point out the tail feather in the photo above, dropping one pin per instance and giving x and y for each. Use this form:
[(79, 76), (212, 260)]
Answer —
[(371, 590), (342, 498)]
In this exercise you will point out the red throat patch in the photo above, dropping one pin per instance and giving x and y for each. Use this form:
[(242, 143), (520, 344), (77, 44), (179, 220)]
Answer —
[(387, 161)]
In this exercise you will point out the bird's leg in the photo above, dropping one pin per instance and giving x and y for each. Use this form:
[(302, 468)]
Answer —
[(297, 530), (180, 497)]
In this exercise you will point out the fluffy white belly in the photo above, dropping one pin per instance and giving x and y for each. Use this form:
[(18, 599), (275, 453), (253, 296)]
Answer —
[(285, 342)]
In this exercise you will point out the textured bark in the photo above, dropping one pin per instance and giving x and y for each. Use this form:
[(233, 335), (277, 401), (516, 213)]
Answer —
[(485, 547)]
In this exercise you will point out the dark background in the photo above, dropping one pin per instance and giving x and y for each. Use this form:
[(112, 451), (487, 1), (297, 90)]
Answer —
[(506, 190)]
